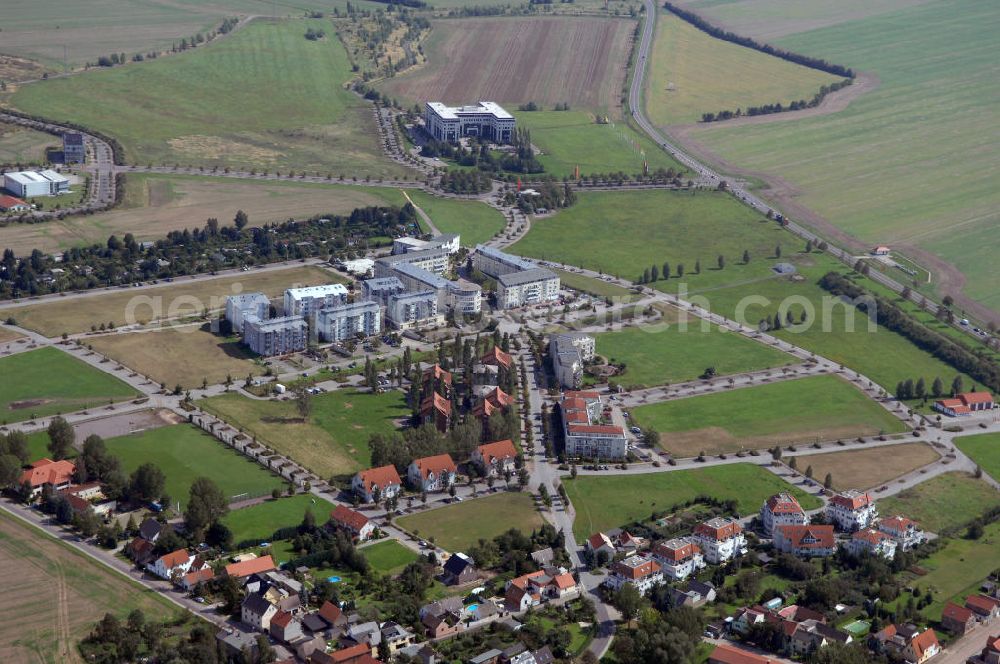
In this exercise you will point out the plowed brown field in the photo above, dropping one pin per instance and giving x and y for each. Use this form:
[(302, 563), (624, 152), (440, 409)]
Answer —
[(516, 60)]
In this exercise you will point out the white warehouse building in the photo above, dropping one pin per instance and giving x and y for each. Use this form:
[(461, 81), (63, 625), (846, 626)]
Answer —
[(26, 184), (485, 118)]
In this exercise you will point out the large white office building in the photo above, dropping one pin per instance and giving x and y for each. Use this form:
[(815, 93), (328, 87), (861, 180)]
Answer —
[(486, 119), (310, 299), (26, 184), (347, 321)]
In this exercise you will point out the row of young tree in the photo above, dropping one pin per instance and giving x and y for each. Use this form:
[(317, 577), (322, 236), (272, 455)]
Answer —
[(910, 389), (778, 107)]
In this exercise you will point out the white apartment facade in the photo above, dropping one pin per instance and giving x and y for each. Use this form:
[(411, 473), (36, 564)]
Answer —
[(570, 352), (720, 539), (310, 299), (582, 436), (905, 532), (679, 557), (781, 509), (246, 304), (852, 510), (348, 321), (534, 286), (275, 336), (640, 571)]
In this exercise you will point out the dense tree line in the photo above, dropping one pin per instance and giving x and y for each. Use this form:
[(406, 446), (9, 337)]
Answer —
[(978, 365), (778, 107), (199, 250), (725, 35), (466, 182), (139, 639), (511, 551)]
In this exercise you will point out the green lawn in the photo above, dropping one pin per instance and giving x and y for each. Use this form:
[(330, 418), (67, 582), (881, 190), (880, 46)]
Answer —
[(798, 410), (388, 556), (458, 527), (334, 438), (608, 502), (261, 520), (48, 381), (184, 453), (476, 222), (654, 355), (930, 59), (590, 285), (984, 449), (945, 501), (265, 97), (570, 139)]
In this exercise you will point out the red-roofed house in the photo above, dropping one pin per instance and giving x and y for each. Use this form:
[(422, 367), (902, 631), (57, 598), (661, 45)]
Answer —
[(496, 458), (45, 472), (383, 482), (496, 357), (248, 567), (285, 627), (332, 614), (872, 541), (192, 579), (990, 654), (957, 619), (436, 410), (852, 510), (599, 542), (721, 539), (905, 532), (679, 557), (985, 608), (13, 204), (642, 572), (433, 473), (438, 378), (805, 541), (781, 509), (535, 587), (493, 401), (176, 563), (354, 522), (922, 647), (965, 404), (726, 654)]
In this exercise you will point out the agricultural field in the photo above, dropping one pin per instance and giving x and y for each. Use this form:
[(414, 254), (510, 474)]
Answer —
[(333, 440), (48, 381), (458, 527), (261, 520), (218, 116), (185, 296), (570, 139), (514, 60), (45, 626), (19, 145), (155, 205), (867, 469), (654, 355), (791, 411), (476, 222), (945, 501), (185, 356), (608, 502), (184, 453), (930, 61), (388, 556), (693, 73), (984, 449)]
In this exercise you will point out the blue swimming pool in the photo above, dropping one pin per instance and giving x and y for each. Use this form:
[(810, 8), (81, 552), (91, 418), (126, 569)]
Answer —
[(333, 579), (472, 607)]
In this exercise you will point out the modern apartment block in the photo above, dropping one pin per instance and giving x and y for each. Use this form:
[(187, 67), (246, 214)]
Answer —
[(413, 309), (308, 300), (585, 433), (485, 118), (519, 281), (852, 510), (276, 336), (569, 353), (450, 242), (240, 306), (781, 509), (347, 321)]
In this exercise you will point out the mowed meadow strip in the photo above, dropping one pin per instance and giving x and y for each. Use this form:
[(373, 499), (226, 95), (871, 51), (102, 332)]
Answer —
[(547, 60)]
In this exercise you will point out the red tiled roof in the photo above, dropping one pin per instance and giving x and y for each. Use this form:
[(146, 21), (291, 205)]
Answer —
[(497, 357), (47, 471), (435, 402), (720, 533), (581, 394), (499, 398), (642, 570), (330, 612), (897, 523), (597, 540), (564, 581), (522, 581), (574, 404), (956, 612), (953, 404), (484, 409), (596, 428), (345, 516), (969, 398), (382, 476), (993, 643), (852, 501), (784, 503), (923, 642), (194, 578), (345, 655), (870, 535), (576, 417), (796, 534), (7, 202), (499, 450), (676, 550), (724, 654), (438, 464), (981, 603), (437, 372), (248, 567), (174, 558), (282, 619)]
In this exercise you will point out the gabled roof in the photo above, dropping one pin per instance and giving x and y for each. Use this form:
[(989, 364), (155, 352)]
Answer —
[(437, 464), (676, 549), (499, 450), (458, 563), (871, 536), (498, 398), (382, 477), (982, 604), (852, 499), (345, 655), (256, 604), (588, 395), (248, 567), (345, 516), (47, 471), (563, 581), (784, 503), (437, 372), (7, 202), (957, 613), (597, 540), (200, 576), (970, 398), (496, 357), (150, 529), (435, 402), (330, 612), (282, 619), (821, 536), (174, 558), (897, 523), (724, 654), (924, 642), (719, 529)]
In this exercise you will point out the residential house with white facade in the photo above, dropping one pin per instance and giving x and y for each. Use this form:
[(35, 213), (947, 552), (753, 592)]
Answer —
[(679, 558), (905, 532), (781, 509), (496, 459), (871, 541), (852, 510), (433, 473), (174, 563), (640, 571), (720, 539), (382, 482)]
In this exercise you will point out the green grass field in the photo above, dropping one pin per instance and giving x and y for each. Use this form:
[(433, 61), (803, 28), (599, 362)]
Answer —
[(799, 410), (693, 73), (569, 139), (930, 60), (944, 501), (590, 285), (602, 503), (388, 556), (265, 97), (48, 381), (984, 449), (476, 222), (19, 145), (261, 520), (654, 356), (458, 527), (184, 453), (333, 441)]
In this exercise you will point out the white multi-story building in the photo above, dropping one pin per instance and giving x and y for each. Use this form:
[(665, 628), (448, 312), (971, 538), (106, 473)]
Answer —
[(275, 336), (246, 304), (721, 539), (433, 260), (433, 473), (413, 309), (569, 353), (493, 262), (26, 184), (347, 321), (642, 572), (873, 541), (450, 242), (485, 118), (585, 438), (852, 510), (533, 286), (905, 532), (307, 301), (465, 297), (781, 509), (679, 557)]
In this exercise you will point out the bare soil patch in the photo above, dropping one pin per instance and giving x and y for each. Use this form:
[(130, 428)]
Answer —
[(14, 69), (870, 468), (214, 148), (28, 403), (125, 423)]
